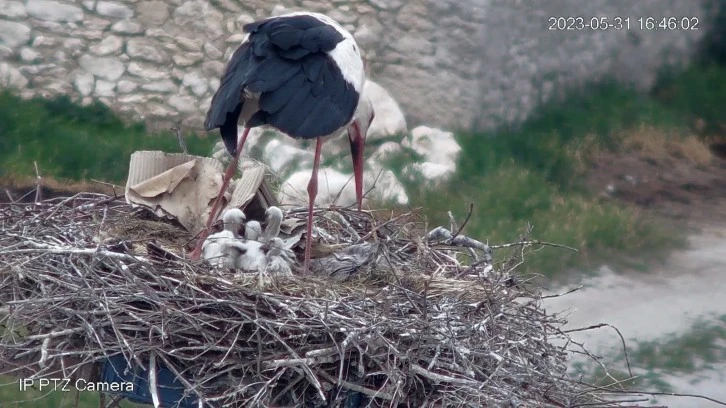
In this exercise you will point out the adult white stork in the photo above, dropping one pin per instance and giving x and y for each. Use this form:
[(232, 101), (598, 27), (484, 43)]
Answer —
[(301, 73)]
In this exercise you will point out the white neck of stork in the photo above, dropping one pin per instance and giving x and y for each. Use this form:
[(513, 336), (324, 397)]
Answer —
[(273, 218)]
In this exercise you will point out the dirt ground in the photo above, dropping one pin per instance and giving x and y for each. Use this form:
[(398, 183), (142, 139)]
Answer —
[(672, 187)]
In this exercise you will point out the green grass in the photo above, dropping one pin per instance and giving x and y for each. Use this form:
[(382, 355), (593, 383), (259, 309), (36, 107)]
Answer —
[(509, 198), (73, 142), (700, 94), (694, 351), (545, 143), (533, 174)]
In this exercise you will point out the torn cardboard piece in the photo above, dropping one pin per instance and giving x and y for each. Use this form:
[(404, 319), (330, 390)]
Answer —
[(248, 185), (252, 186), (184, 186)]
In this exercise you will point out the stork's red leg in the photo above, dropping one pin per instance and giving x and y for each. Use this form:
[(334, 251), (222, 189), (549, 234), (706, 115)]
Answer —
[(218, 201), (227, 178), (357, 147), (312, 193)]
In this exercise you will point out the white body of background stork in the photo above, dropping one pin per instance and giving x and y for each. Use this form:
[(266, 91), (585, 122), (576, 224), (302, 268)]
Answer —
[(301, 73)]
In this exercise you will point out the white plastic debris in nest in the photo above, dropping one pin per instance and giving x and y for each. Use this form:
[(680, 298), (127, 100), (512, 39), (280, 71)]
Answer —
[(183, 186)]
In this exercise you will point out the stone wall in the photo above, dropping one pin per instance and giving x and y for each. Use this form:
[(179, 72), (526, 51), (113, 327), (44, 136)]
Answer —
[(450, 63)]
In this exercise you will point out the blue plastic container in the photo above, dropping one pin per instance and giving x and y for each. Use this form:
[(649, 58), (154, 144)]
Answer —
[(171, 392)]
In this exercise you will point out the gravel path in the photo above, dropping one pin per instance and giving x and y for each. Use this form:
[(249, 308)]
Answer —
[(655, 305)]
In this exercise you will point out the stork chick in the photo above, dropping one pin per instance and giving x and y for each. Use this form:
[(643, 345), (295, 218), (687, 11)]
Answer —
[(224, 248), (273, 221), (253, 230), (277, 261), (254, 258)]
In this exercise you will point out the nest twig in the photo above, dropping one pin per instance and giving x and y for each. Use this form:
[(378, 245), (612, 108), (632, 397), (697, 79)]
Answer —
[(78, 285)]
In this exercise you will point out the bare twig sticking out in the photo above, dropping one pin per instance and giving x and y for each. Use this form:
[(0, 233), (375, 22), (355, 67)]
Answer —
[(38, 184), (10, 195), (641, 392), (622, 340), (112, 185), (180, 139), (564, 293), (534, 242), (466, 220), (453, 226)]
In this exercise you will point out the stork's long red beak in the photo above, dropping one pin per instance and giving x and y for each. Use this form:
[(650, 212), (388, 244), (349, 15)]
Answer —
[(357, 147)]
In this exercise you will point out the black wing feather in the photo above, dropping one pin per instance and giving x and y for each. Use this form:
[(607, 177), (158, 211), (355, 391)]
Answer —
[(312, 68), (271, 73), (227, 98), (274, 101), (318, 39), (294, 112), (302, 91), (296, 53), (285, 36)]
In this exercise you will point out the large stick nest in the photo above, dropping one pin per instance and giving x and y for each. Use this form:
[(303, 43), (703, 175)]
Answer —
[(78, 284)]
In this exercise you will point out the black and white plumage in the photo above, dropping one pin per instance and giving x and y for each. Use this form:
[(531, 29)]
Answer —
[(301, 73)]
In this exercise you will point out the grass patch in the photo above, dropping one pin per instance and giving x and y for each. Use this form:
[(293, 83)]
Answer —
[(534, 174), (75, 142), (513, 196), (693, 351), (699, 94), (550, 142), (665, 143)]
